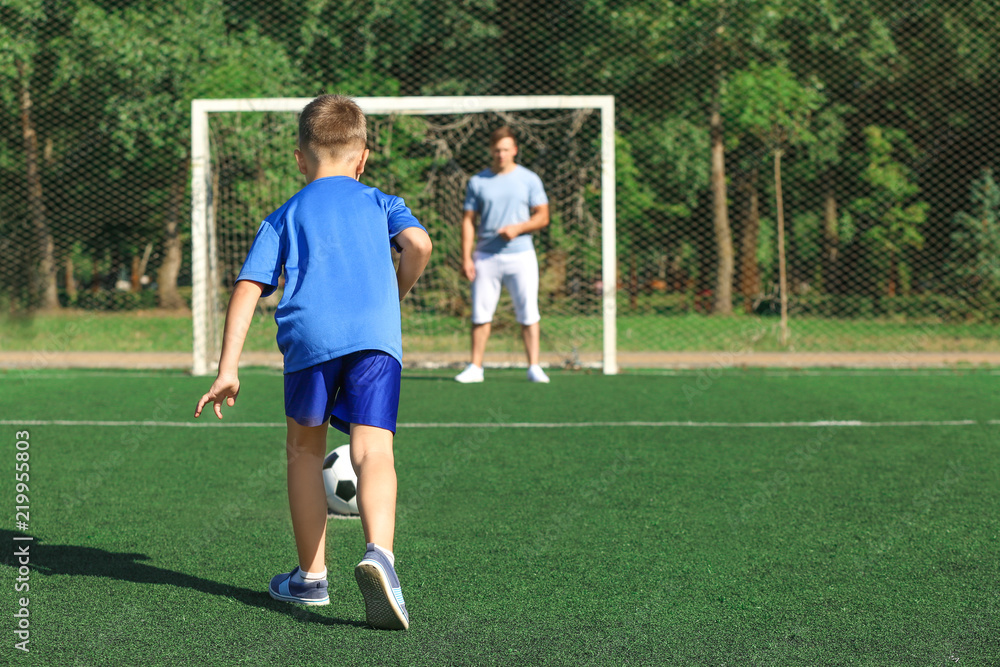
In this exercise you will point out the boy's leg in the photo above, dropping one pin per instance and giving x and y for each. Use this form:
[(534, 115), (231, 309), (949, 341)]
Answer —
[(369, 402), (306, 448), (371, 456)]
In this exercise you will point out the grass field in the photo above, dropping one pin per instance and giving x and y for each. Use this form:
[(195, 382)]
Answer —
[(160, 331), (785, 519)]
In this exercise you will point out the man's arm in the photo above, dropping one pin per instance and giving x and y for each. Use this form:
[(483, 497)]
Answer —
[(468, 241), (242, 304), (414, 251), (539, 219)]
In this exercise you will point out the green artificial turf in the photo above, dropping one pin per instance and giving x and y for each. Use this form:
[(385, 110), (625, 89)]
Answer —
[(549, 545)]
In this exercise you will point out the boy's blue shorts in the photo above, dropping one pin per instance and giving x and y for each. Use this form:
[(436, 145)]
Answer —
[(358, 388)]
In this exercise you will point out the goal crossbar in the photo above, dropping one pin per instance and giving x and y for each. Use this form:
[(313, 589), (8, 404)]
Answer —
[(203, 268)]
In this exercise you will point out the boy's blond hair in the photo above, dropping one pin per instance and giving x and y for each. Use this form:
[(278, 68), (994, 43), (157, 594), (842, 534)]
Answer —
[(333, 127)]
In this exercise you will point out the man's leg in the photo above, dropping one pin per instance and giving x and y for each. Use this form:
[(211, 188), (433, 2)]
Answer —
[(521, 278), (485, 295), (531, 333), (480, 334), (306, 448)]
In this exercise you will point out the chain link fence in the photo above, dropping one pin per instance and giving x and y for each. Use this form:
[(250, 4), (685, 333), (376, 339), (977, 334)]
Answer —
[(840, 150)]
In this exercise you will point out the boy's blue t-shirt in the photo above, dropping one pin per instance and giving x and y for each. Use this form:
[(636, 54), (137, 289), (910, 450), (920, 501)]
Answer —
[(333, 241), (503, 199)]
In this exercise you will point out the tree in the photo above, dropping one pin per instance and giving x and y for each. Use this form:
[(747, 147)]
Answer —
[(774, 107), (635, 204), (690, 48), (27, 28), (975, 257), (889, 216), (846, 49), (155, 59)]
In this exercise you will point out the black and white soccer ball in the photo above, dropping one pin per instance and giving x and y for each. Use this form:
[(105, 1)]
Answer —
[(340, 481)]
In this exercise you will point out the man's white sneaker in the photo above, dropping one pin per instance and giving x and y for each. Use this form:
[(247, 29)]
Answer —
[(472, 373), (536, 374)]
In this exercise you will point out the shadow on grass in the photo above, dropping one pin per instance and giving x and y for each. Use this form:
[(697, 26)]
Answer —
[(93, 562)]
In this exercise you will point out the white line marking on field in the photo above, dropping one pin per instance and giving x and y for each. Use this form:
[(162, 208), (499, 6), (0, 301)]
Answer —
[(594, 424)]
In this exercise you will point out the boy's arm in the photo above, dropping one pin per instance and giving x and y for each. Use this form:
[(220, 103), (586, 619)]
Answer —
[(468, 239), (242, 304), (414, 250)]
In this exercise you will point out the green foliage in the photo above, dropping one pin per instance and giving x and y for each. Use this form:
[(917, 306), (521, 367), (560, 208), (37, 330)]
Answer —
[(976, 255), (155, 58), (767, 250), (829, 130), (975, 260), (893, 219), (769, 103), (868, 100), (634, 197), (807, 236), (672, 165), (929, 307), (833, 305)]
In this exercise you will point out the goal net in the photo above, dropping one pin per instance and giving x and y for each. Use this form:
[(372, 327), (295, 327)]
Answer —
[(423, 149)]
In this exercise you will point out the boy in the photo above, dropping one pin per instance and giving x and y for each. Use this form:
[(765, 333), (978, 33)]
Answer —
[(339, 332)]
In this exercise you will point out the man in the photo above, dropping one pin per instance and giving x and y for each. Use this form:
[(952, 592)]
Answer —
[(510, 202)]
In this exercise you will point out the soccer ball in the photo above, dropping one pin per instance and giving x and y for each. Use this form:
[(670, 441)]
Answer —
[(340, 481)]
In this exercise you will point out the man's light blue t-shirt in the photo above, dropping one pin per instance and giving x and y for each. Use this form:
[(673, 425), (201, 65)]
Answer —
[(503, 199), (333, 241)]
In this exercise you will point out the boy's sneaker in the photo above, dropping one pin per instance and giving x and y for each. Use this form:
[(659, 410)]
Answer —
[(384, 606), (536, 374), (312, 593), (472, 373)]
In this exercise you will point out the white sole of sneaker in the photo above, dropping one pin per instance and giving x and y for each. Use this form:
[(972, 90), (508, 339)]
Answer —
[(294, 600), (381, 609)]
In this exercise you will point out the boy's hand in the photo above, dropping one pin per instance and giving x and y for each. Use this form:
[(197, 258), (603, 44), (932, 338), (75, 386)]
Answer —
[(225, 388)]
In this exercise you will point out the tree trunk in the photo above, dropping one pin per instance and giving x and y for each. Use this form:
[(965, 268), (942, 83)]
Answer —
[(749, 270), (166, 278), (139, 267), (723, 234), (633, 285), (782, 273), (96, 278), (44, 288), (831, 239), (892, 282), (70, 280), (135, 277)]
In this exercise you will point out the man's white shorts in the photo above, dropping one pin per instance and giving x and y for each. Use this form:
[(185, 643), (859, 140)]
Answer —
[(518, 272)]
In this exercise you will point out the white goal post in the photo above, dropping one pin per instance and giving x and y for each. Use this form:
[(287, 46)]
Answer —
[(203, 240)]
